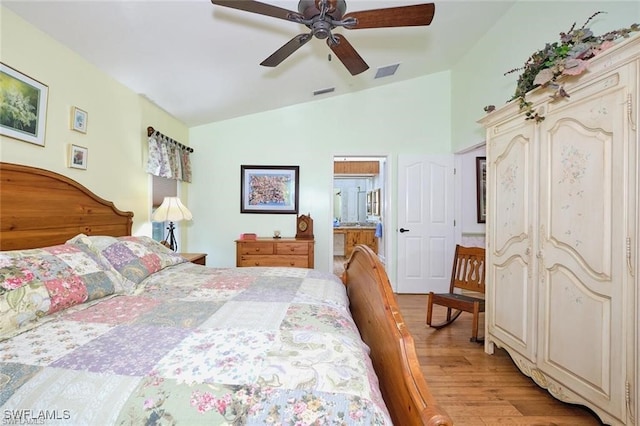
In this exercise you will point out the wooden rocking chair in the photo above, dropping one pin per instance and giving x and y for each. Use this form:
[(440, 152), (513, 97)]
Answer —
[(468, 275)]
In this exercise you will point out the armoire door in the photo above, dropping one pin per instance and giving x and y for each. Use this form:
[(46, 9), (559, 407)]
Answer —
[(584, 211), (511, 209)]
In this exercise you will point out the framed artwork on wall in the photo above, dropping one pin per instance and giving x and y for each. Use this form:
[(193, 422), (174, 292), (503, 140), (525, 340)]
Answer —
[(79, 120), (269, 189), (376, 202), (78, 156), (24, 112), (481, 188)]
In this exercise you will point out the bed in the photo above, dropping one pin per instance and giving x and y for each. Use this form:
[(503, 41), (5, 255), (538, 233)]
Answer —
[(101, 327)]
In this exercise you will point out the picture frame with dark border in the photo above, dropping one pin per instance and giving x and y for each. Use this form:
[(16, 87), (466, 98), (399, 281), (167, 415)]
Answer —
[(481, 188), (269, 189), (27, 116)]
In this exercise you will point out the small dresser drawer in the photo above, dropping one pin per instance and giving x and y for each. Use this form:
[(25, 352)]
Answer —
[(258, 260), (255, 247), (292, 248), (275, 252)]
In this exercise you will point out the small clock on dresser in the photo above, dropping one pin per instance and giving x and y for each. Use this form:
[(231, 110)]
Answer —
[(304, 227)]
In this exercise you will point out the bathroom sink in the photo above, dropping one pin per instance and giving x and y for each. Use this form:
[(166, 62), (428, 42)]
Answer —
[(356, 225)]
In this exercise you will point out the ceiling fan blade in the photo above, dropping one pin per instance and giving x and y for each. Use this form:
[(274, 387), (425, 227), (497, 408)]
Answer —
[(285, 51), (256, 7), (347, 54), (401, 16)]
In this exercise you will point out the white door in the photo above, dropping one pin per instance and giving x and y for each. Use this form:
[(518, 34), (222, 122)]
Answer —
[(426, 240)]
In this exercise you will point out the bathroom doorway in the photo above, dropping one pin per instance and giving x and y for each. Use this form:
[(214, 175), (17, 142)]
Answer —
[(359, 191)]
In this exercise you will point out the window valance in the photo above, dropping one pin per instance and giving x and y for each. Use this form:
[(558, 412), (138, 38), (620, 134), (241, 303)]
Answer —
[(168, 158)]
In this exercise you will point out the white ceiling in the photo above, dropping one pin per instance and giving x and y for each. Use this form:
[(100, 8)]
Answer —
[(200, 62)]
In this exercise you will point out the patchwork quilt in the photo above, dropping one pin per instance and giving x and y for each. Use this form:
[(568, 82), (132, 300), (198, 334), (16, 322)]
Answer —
[(183, 344)]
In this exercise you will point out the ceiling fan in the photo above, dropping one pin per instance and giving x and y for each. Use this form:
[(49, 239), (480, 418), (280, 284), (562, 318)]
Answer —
[(322, 16)]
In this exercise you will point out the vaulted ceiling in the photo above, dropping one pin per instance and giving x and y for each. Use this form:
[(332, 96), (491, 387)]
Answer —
[(200, 62)]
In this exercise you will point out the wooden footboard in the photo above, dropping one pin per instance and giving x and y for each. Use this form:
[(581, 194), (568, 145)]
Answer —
[(375, 311)]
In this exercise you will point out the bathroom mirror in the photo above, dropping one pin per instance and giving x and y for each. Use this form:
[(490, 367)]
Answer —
[(350, 198)]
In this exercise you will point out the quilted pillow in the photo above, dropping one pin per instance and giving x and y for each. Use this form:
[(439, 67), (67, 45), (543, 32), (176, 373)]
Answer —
[(35, 283), (135, 258)]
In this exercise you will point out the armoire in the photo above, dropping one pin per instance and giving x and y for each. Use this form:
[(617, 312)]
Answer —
[(562, 292)]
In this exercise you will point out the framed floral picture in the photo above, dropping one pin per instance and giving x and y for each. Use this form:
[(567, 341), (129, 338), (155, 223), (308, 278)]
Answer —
[(79, 120), (23, 114), (269, 189), (78, 156)]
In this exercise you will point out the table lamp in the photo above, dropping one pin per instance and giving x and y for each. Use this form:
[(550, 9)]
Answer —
[(171, 210)]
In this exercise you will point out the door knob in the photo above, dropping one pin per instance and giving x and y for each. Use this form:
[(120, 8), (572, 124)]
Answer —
[(402, 230)]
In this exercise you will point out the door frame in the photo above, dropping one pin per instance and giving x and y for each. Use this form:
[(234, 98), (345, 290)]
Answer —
[(387, 219)]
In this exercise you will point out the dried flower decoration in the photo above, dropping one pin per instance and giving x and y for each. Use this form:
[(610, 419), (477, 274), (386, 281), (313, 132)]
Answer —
[(568, 57)]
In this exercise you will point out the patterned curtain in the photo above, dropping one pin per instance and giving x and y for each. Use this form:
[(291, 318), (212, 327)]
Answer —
[(168, 159)]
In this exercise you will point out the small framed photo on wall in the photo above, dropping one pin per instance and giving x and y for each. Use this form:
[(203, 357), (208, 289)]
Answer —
[(481, 188), (79, 120), (78, 156)]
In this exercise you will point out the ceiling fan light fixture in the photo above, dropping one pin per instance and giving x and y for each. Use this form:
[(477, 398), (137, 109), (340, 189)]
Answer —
[(321, 29), (386, 71)]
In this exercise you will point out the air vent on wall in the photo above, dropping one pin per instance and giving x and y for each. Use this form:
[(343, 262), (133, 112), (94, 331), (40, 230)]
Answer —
[(386, 71), (323, 91)]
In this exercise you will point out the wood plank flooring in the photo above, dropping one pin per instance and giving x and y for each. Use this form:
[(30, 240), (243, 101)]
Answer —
[(479, 389)]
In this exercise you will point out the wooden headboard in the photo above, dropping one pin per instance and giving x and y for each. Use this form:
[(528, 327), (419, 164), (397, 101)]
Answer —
[(40, 208)]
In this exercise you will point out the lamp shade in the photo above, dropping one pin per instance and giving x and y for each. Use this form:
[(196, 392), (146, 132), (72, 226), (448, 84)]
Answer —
[(171, 210)]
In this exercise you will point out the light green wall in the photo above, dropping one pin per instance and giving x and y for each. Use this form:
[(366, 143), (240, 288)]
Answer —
[(478, 79), (116, 130), (414, 116), (411, 117), (402, 118)]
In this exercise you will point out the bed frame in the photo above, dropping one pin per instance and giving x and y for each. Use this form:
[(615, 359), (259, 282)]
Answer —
[(39, 208), (375, 310)]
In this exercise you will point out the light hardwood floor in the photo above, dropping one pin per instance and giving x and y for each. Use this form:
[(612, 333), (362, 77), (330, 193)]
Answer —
[(479, 389)]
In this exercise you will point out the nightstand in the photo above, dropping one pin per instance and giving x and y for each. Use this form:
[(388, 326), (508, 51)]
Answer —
[(197, 258)]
